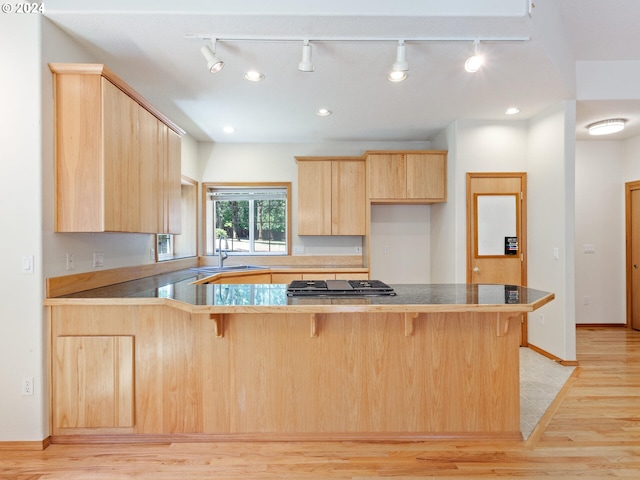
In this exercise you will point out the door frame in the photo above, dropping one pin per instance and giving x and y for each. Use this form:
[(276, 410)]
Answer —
[(523, 219), (628, 187)]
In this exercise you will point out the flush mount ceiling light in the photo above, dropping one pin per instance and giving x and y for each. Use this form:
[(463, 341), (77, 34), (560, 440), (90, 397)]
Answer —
[(474, 62), (400, 67), (606, 127), (305, 64), (512, 111), (253, 76), (323, 112), (228, 129), (214, 64)]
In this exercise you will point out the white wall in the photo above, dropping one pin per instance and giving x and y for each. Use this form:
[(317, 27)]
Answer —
[(22, 329), (631, 159), (600, 217), (551, 187)]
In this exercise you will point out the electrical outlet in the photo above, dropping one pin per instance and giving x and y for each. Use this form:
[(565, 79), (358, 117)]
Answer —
[(386, 249), (152, 254), (70, 264), (298, 249), (98, 259), (27, 385), (541, 319), (358, 250)]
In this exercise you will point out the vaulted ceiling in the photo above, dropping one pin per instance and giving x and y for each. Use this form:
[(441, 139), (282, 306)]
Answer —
[(157, 51)]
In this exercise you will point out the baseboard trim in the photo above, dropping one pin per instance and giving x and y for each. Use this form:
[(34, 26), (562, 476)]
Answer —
[(601, 325), (166, 439), (566, 363), (30, 446)]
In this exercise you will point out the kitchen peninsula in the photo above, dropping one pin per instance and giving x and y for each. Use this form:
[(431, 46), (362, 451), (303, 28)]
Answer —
[(165, 358)]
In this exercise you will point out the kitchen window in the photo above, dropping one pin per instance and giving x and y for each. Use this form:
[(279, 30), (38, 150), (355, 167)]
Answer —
[(248, 219)]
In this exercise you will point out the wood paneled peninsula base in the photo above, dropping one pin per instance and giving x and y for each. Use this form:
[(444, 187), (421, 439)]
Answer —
[(222, 362)]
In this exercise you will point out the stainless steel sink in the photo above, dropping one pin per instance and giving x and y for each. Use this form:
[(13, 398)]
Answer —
[(229, 268)]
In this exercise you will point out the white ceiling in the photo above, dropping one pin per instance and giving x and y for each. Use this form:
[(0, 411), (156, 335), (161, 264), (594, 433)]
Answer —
[(151, 49)]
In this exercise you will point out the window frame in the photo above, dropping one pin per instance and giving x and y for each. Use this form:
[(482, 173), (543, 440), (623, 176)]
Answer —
[(249, 186)]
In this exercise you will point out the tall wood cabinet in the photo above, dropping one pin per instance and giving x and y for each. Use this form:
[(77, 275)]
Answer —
[(117, 159), (407, 177), (331, 196)]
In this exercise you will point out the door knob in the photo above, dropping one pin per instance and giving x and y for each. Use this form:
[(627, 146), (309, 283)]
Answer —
[(477, 270)]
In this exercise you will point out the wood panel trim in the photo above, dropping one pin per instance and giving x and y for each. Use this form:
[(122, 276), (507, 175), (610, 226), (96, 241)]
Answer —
[(68, 284), (102, 70), (551, 356), (26, 446), (78, 439)]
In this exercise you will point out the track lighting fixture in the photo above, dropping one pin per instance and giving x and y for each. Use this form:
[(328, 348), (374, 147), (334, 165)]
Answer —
[(474, 62), (214, 64), (305, 64), (400, 67), (606, 127)]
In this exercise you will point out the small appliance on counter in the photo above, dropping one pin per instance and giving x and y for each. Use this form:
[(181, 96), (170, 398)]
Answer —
[(358, 288)]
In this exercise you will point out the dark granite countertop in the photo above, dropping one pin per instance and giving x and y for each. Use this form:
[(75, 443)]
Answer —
[(178, 286)]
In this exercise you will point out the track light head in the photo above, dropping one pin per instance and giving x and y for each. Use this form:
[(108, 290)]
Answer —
[(474, 62), (400, 66), (305, 64), (214, 64)]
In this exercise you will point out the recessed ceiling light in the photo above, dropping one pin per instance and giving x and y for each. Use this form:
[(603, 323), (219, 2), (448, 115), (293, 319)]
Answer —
[(512, 111), (323, 112), (228, 129), (606, 127), (254, 76)]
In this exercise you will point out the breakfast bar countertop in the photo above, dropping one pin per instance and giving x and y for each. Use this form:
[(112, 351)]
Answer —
[(178, 289)]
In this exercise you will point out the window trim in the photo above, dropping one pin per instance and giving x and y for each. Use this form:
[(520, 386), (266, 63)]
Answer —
[(207, 185)]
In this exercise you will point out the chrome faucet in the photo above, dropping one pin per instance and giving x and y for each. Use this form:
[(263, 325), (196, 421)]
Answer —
[(222, 254)]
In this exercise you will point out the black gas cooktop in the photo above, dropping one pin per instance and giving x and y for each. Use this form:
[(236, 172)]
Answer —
[(338, 288)]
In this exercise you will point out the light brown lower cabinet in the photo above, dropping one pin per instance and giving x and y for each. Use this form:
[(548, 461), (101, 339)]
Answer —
[(360, 374)]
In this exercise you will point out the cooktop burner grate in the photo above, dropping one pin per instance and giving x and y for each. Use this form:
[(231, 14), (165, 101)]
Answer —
[(339, 288)]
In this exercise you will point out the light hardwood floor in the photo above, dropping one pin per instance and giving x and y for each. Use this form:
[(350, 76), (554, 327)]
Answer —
[(591, 431)]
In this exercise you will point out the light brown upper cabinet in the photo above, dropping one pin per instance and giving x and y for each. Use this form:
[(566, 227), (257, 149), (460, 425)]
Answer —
[(331, 196), (407, 177), (117, 159)]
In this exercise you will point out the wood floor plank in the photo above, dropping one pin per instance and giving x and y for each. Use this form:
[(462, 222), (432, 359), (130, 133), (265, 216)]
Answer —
[(593, 432)]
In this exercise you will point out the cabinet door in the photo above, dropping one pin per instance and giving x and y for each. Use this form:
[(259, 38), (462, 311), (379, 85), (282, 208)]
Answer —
[(387, 176), (426, 177), (173, 182), (121, 167), (348, 198), (150, 153), (93, 382), (314, 198)]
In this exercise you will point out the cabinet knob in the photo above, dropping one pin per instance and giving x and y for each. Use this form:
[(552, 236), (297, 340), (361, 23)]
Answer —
[(635, 265), (476, 270)]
